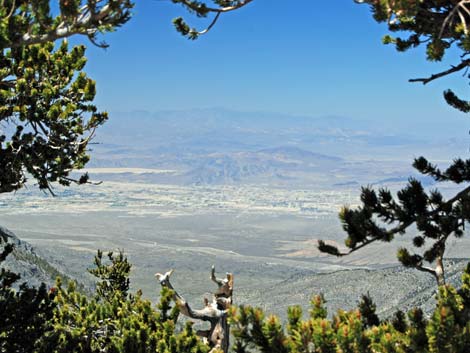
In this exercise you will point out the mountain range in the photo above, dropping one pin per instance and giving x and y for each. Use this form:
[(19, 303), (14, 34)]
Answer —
[(219, 146)]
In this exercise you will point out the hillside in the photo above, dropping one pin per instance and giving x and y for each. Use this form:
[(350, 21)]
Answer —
[(391, 288), (219, 147), (32, 267)]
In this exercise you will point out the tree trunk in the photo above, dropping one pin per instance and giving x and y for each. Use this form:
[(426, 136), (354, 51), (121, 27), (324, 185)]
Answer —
[(215, 312), (440, 278)]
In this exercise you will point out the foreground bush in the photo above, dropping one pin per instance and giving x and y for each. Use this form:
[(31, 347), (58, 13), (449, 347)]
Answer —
[(112, 320), (64, 320), (359, 331), (25, 314)]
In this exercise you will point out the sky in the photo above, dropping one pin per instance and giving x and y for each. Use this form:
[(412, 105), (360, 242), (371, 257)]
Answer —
[(302, 57)]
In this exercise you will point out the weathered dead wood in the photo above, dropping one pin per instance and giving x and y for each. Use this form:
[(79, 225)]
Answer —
[(215, 311)]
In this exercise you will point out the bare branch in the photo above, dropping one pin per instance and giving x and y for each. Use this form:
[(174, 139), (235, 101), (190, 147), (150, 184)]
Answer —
[(219, 282), (364, 244), (464, 64), (78, 182), (456, 11), (215, 311), (214, 21), (208, 313)]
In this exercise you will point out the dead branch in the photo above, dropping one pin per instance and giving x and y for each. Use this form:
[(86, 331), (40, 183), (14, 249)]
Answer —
[(215, 311)]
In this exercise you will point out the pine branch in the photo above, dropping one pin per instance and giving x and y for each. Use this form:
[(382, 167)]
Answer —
[(464, 64), (88, 21), (201, 10), (195, 6), (396, 230)]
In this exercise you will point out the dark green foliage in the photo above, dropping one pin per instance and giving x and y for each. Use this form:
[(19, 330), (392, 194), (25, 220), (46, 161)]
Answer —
[(399, 322), (367, 309), (26, 313), (64, 320), (113, 320), (115, 324), (436, 24), (456, 102), (381, 217), (47, 99), (114, 277), (417, 331)]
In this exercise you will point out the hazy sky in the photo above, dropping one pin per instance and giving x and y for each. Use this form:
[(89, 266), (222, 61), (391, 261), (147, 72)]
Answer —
[(299, 56)]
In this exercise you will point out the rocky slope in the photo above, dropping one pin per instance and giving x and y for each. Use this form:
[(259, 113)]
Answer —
[(25, 261), (390, 288)]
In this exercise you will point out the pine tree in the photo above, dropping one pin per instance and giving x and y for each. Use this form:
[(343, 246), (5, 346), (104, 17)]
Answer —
[(113, 320), (25, 311), (46, 96), (46, 99), (440, 26)]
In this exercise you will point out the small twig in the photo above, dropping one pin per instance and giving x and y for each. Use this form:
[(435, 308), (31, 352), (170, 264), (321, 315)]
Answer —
[(451, 15), (13, 7)]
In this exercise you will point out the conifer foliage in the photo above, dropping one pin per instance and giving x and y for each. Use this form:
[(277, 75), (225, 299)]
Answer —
[(359, 331), (204, 9), (45, 101), (113, 320), (381, 218), (46, 104), (25, 311), (64, 320), (46, 113)]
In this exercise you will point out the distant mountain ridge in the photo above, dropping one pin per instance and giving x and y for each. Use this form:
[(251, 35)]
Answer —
[(220, 130), (217, 146)]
